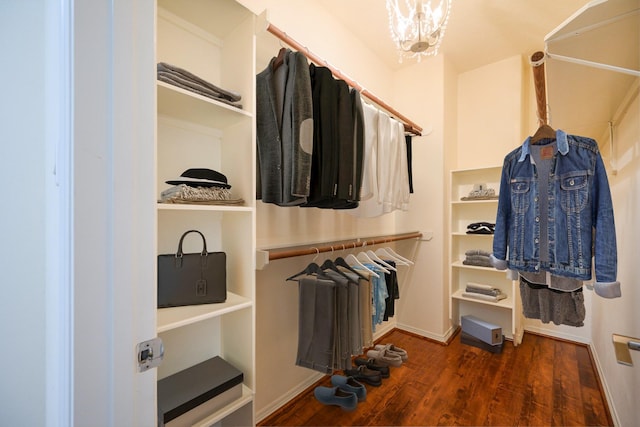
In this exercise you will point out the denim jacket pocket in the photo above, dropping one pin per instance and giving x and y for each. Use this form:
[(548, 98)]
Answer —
[(520, 188), (574, 192)]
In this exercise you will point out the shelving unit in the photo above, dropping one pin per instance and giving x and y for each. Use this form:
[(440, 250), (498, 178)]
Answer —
[(215, 41), (506, 312)]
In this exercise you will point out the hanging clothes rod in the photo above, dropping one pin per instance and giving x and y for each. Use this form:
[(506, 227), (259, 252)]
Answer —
[(339, 245), (409, 126)]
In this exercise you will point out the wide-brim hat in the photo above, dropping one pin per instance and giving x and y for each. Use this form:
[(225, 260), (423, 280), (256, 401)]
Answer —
[(199, 177)]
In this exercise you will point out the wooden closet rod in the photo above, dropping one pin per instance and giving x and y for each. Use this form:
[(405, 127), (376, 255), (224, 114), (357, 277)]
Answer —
[(409, 126), (539, 82), (342, 245)]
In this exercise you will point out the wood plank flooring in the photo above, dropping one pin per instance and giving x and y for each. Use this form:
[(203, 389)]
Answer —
[(542, 382)]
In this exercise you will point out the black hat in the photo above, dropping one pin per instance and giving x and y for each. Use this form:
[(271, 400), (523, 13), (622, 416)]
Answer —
[(201, 178)]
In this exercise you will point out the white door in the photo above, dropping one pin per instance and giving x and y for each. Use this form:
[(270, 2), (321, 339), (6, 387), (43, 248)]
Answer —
[(113, 211)]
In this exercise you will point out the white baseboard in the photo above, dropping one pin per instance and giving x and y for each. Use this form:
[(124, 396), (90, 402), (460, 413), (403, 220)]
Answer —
[(605, 386), (383, 329), (556, 334), (440, 338), (285, 398)]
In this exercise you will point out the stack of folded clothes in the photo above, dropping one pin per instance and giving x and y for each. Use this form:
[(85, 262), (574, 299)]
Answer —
[(482, 193), (184, 79), (481, 228), (483, 292), (204, 186), (477, 257)]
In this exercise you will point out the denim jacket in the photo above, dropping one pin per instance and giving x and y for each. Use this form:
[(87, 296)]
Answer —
[(579, 215)]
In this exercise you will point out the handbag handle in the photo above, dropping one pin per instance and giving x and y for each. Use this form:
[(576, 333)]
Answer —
[(204, 243)]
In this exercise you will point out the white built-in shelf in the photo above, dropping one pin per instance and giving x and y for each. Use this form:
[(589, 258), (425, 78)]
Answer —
[(175, 317), (185, 105), (459, 264), (462, 233), (504, 303), (475, 202), (220, 414), (202, 207)]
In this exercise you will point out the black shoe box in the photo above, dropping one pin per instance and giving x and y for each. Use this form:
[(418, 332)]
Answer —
[(469, 339), (194, 393)]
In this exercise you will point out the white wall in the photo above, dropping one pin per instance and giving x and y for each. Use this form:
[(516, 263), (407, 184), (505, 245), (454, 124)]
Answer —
[(621, 315), (23, 217), (490, 102), (422, 305)]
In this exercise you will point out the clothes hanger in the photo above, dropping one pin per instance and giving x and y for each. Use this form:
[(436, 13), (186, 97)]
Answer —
[(407, 260), (544, 132), (340, 262), (311, 269), (379, 260), (363, 256), (385, 252), (352, 260), (280, 58), (328, 264)]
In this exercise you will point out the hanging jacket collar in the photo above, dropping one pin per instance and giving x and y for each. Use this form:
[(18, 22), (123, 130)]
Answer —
[(561, 139)]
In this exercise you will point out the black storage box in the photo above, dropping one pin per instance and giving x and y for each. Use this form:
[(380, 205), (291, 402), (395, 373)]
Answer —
[(469, 339), (190, 395)]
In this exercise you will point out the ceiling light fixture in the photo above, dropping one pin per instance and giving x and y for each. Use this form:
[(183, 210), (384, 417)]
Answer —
[(416, 27)]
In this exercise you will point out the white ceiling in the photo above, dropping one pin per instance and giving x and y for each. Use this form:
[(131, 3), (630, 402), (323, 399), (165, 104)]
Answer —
[(480, 32)]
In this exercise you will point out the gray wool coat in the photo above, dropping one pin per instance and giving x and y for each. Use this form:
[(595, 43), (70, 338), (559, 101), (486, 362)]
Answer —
[(284, 131)]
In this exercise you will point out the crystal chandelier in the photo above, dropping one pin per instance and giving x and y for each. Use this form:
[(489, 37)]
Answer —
[(416, 27)]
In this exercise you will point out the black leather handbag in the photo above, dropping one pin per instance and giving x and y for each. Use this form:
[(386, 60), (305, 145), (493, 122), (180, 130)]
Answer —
[(192, 279)]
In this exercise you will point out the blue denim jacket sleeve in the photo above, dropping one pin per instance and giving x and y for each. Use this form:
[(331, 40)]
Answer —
[(605, 250), (499, 256)]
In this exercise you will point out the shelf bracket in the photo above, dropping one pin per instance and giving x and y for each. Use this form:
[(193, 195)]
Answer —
[(622, 345)]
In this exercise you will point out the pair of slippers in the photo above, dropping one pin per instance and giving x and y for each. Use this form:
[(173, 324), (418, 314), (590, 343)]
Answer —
[(388, 354), (344, 392)]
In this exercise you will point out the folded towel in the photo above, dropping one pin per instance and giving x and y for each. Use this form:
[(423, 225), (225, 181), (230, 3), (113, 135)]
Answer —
[(184, 74), (174, 80), (479, 286), (477, 263), (492, 292), (477, 252), (484, 297)]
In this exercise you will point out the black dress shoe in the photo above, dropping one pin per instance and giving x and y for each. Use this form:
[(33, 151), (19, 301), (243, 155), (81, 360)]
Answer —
[(371, 364), (364, 374)]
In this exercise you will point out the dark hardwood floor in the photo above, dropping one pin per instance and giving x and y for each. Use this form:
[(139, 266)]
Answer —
[(542, 382)]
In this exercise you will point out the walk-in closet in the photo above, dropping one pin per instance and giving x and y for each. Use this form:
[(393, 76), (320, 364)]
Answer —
[(261, 213)]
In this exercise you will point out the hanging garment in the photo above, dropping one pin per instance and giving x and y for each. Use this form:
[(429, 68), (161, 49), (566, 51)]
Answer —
[(365, 305), (541, 302), (408, 141), (284, 131), (316, 332), (325, 136), (393, 291), (330, 330), (577, 224), (369, 205), (380, 294)]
